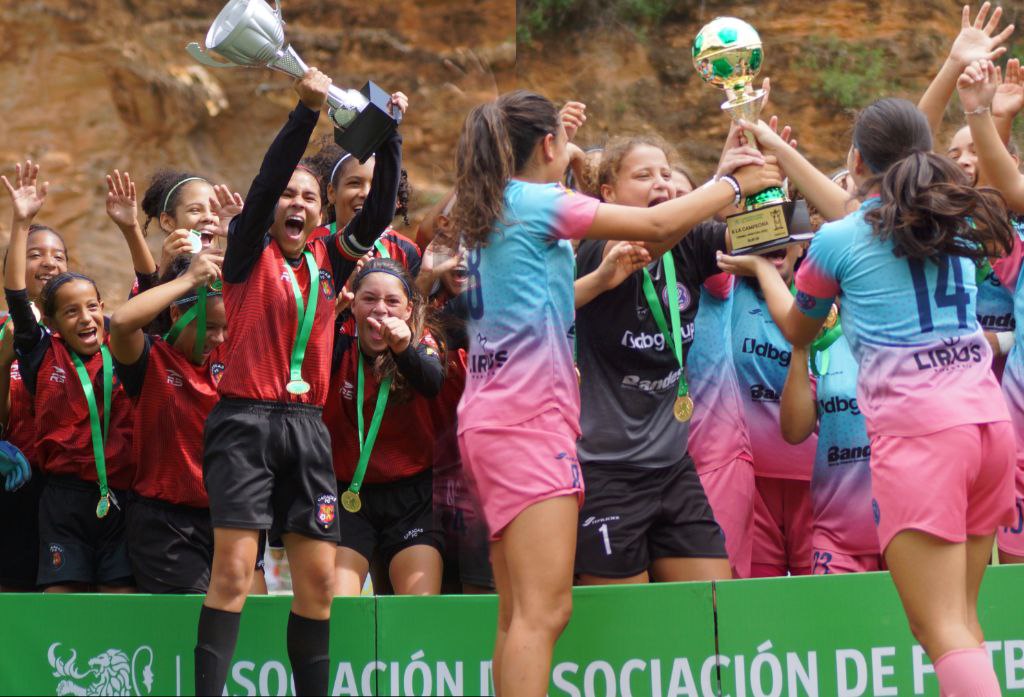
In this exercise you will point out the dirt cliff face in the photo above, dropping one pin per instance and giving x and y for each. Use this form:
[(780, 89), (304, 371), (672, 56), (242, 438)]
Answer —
[(90, 85), (823, 58)]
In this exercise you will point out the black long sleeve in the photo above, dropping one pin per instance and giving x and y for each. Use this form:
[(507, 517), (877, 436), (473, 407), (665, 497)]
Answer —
[(376, 215), (247, 234), (30, 340), (422, 367)]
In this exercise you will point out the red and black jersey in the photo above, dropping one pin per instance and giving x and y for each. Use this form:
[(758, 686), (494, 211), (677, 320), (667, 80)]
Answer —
[(172, 398), (258, 294), (21, 426), (63, 438), (405, 442), (398, 246)]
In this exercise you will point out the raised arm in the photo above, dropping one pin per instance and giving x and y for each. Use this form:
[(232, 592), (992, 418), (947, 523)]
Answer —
[(798, 411), (122, 208), (974, 42), (127, 340), (249, 228), (977, 85)]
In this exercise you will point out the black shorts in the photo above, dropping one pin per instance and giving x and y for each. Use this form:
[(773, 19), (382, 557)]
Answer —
[(267, 466), (74, 545), (170, 547), (467, 548), (394, 516), (19, 533), (634, 515)]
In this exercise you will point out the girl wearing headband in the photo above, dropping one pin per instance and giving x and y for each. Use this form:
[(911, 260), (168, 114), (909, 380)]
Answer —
[(82, 416), (348, 184), (267, 457), (384, 379), (172, 381), (905, 265), (46, 257), (519, 415)]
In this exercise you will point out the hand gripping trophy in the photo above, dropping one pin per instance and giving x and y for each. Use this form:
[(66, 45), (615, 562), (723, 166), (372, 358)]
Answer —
[(249, 33), (727, 53)]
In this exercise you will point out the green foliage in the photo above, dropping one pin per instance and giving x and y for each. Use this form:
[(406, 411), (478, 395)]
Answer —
[(537, 18), (850, 74)]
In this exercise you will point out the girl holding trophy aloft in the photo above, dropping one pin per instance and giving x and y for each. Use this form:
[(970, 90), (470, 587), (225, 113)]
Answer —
[(267, 456)]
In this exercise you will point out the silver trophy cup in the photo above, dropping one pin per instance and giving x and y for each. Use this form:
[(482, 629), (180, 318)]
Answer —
[(249, 33)]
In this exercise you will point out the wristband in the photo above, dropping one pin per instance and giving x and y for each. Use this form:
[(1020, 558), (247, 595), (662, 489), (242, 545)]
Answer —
[(1005, 341), (977, 112), (731, 180)]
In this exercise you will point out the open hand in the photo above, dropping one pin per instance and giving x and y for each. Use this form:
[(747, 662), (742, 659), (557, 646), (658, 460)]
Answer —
[(976, 41), (744, 265), (977, 85), (27, 194), (122, 204), (621, 262), (1008, 100), (226, 205)]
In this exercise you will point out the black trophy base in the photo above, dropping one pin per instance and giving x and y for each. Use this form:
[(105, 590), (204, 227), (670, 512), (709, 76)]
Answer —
[(769, 228), (372, 127)]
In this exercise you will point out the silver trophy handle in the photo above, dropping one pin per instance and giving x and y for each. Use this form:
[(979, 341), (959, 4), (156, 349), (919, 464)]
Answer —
[(203, 57)]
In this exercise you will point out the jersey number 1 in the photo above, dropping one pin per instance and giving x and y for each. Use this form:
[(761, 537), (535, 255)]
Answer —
[(959, 298)]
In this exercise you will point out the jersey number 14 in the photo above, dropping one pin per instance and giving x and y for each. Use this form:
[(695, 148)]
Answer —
[(959, 298)]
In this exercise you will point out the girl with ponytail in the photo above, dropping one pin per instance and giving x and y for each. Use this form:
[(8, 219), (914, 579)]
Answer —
[(905, 264), (519, 414)]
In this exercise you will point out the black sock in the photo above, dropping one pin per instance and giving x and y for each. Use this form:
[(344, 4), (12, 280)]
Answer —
[(215, 645), (308, 642)]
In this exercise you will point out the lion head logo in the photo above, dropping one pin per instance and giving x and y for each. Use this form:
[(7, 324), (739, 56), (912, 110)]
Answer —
[(110, 673)]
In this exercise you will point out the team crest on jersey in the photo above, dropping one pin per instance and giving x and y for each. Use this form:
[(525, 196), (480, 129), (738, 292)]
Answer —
[(681, 293), (326, 507), (217, 372), (326, 284), (56, 556)]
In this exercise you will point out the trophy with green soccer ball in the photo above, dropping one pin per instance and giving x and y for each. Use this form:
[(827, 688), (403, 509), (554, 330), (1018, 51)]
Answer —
[(727, 53)]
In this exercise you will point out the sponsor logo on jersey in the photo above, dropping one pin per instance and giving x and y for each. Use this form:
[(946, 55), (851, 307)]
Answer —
[(643, 341), (326, 507), (217, 372), (58, 375), (634, 382), (174, 379), (348, 390), (837, 405), (15, 371), (754, 311), (57, 557), (950, 357), (845, 456), (763, 393), (591, 520), (766, 350), (488, 361), (990, 322)]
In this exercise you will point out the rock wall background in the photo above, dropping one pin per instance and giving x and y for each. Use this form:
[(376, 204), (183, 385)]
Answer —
[(90, 85)]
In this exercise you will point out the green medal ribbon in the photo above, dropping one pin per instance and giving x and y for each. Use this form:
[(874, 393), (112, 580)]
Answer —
[(675, 337), (3, 329), (381, 249), (99, 438), (983, 272), (306, 312), (350, 499), (198, 313)]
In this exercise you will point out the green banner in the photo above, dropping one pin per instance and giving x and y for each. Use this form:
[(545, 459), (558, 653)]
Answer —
[(837, 635)]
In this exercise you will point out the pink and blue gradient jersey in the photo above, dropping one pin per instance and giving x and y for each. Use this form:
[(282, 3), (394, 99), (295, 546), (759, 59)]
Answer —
[(841, 483), (995, 312), (1008, 269), (718, 431), (911, 324), (521, 308), (761, 356)]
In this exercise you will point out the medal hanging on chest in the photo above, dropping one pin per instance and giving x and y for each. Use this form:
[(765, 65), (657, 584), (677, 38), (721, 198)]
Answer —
[(682, 409), (350, 500), (98, 435), (306, 315)]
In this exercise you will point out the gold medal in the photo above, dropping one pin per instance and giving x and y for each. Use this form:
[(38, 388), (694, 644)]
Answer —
[(297, 387), (683, 408), (350, 501), (103, 507), (832, 318)]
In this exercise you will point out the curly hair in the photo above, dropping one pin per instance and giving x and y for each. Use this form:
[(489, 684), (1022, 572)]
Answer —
[(155, 201)]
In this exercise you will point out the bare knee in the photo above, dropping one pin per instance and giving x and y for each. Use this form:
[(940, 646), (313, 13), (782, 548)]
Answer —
[(231, 577), (314, 590), (548, 612)]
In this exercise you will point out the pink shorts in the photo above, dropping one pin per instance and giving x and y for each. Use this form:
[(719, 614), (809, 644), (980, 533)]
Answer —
[(825, 562), (782, 527), (951, 484), (1011, 537), (513, 467), (730, 491)]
